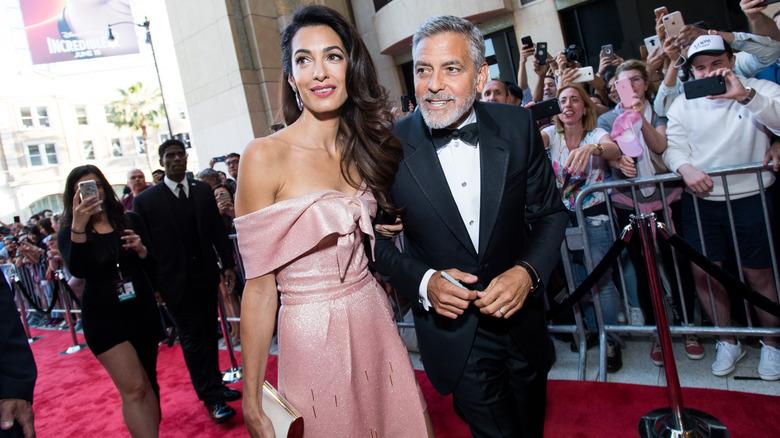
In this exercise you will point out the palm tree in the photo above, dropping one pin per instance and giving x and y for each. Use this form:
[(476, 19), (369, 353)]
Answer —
[(139, 109)]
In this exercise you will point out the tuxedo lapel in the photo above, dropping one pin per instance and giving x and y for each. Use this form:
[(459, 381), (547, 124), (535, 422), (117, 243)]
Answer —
[(494, 156), (424, 166)]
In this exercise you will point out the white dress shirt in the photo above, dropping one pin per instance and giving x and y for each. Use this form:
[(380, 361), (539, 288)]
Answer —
[(460, 162), (173, 185)]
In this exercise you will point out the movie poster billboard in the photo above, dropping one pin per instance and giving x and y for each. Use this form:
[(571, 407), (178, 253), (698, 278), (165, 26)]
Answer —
[(67, 30)]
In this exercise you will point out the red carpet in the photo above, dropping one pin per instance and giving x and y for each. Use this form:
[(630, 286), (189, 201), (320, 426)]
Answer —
[(74, 397)]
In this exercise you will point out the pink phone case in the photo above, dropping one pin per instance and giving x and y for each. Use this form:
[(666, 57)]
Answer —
[(625, 92)]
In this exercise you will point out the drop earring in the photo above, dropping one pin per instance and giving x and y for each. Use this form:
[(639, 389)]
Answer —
[(298, 99)]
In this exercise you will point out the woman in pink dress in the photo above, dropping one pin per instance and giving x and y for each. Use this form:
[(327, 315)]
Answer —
[(305, 201)]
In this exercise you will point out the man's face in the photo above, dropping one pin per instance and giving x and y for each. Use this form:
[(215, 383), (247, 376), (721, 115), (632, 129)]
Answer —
[(174, 160), (232, 165), (445, 82), (136, 182), (703, 64), (495, 91), (550, 89)]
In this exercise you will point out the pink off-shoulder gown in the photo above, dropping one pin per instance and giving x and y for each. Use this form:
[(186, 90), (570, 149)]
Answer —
[(341, 361)]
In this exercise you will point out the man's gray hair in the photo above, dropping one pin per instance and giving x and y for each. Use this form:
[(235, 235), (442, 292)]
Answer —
[(450, 23), (130, 172), (209, 173)]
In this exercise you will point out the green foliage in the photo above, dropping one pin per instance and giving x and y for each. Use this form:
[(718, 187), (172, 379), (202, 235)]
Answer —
[(139, 108)]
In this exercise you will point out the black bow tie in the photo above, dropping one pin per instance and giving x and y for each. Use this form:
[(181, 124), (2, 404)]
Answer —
[(468, 134)]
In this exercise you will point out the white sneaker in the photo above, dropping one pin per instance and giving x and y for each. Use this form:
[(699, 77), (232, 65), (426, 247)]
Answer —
[(621, 316), (728, 356), (769, 365), (637, 317)]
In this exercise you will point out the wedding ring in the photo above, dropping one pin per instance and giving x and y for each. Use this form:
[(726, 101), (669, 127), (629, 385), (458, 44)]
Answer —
[(501, 311)]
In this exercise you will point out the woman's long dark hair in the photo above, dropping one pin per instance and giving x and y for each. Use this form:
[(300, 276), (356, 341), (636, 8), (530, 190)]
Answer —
[(366, 121), (114, 209)]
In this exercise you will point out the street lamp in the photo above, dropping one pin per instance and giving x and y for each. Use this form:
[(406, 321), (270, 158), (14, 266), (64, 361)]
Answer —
[(145, 25)]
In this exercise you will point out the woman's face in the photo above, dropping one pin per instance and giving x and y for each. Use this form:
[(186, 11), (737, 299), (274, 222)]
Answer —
[(319, 69), (572, 106), (219, 190)]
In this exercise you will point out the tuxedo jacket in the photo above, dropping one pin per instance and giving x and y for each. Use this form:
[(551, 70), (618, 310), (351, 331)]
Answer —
[(155, 206), (522, 218)]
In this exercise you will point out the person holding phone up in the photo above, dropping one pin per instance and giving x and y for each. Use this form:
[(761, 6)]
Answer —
[(722, 130), (107, 247)]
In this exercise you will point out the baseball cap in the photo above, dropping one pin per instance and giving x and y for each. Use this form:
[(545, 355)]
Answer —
[(707, 45)]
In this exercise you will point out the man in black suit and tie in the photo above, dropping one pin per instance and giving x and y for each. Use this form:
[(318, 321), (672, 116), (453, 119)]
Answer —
[(185, 229), (17, 371), (482, 209)]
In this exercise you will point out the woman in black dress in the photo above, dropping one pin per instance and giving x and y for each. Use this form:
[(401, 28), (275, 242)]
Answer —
[(105, 246)]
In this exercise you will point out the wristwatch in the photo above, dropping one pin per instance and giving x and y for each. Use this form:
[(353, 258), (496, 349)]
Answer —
[(600, 148), (750, 96)]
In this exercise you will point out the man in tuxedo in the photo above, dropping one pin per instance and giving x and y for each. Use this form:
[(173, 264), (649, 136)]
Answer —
[(17, 371), (185, 229), (482, 209)]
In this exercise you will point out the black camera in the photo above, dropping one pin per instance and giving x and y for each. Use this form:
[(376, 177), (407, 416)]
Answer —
[(574, 54)]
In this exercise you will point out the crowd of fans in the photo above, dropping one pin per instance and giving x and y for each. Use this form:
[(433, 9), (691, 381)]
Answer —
[(586, 145)]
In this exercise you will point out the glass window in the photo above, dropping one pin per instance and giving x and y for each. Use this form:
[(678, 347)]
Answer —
[(51, 153), (140, 145), (108, 109), (81, 115), (27, 119), (35, 155), (116, 148), (43, 117), (89, 150)]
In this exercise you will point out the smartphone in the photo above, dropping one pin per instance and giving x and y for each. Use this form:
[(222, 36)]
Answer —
[(673, 23), (625, 91), (768, 2), (223, 197), (651, 43), (608, 51), (527, 41), (704, 87), (405, 101), (586, 74), (546, 108), (660, 12), (219, 159), (89, 188), (541, 53), (449, 278)]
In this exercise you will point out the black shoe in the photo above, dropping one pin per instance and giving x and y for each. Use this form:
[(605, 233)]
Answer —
[(220, 412), (591, 340), (230, 394), (614, 357)]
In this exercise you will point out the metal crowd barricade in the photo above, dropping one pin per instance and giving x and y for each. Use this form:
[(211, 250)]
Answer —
[(662, 182)]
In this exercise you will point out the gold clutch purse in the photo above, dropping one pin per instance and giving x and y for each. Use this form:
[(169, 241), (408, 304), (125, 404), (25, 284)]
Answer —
[(287, 421)]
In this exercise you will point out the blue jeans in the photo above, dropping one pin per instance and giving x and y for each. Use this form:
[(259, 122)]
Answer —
[(599, 240)]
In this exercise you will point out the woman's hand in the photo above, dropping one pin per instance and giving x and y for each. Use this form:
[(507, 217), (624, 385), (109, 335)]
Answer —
[(226, 209), (133, 242), (627, 166), (83, 210), (257, 423), (579, 159), (390, 230)]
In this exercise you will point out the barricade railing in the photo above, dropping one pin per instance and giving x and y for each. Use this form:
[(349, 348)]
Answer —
[(662, 183)]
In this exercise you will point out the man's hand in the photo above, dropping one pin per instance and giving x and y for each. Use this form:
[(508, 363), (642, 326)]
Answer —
[(448, 299), (506, 294), (751, 8), (688, 34), (655, 60), (526, 53), (773, 154), (230, 279), (698, 181), (14, 409), (734, 88)]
